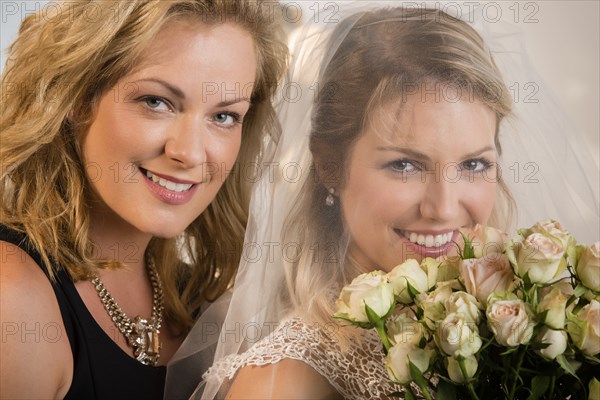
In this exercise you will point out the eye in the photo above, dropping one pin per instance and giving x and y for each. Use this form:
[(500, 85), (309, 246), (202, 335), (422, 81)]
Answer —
[(156, 103), (477, 165), (403, 166), (227, 119)]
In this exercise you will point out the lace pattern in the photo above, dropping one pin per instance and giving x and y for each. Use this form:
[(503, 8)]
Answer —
[(357, 372)]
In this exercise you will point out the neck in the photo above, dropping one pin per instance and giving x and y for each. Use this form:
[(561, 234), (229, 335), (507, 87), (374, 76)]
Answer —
[(116, 240)]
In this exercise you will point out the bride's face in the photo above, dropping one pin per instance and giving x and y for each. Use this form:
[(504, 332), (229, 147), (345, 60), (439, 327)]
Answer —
[(420, 171)]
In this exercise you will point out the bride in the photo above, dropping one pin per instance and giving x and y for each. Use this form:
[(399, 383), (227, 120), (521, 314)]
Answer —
[(411, 135)]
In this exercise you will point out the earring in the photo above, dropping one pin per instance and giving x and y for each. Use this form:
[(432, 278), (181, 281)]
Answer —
[(330, 200)]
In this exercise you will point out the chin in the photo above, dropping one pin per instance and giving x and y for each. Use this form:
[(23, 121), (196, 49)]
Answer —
[(163, 230)]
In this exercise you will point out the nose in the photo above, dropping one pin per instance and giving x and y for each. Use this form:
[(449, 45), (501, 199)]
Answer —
[(186, 143), (441, 200)]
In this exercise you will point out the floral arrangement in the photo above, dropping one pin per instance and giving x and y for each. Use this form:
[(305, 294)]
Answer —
[(516, 319)]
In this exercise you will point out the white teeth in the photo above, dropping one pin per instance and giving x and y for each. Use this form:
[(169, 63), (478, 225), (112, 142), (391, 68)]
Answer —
[(428, 240), (175, 187)]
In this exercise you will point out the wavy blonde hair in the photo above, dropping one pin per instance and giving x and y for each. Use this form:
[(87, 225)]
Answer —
[(384, 52), (62, 65)]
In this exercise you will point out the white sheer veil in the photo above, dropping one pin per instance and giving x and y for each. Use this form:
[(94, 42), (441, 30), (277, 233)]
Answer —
[(546, 164)]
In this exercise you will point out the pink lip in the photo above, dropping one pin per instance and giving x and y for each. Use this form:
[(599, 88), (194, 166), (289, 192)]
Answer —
[(423, 251), (169, 196)]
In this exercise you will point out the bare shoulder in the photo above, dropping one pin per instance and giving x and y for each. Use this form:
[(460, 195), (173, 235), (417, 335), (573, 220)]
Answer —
[(287, 379), (35, 355)]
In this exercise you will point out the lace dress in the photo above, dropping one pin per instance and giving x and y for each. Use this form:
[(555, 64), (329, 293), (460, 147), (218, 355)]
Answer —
[(356, 373)]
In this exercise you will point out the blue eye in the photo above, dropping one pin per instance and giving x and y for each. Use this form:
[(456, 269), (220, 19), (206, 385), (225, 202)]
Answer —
[(156, 103), (227, 119), (403, 166)]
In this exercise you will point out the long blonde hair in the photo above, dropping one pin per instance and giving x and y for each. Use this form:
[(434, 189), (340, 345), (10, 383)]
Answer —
[(384, 51), (62, 65)]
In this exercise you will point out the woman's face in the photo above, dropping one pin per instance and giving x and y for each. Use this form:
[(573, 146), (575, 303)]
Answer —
[(164, 139), (416, 176)]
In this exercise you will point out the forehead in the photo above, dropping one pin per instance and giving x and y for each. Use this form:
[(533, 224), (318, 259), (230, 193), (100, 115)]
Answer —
[(191, 40), (428, 118)]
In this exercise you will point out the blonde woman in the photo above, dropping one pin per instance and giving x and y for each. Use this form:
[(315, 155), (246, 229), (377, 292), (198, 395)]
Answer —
[(119, 129), (405, 135)]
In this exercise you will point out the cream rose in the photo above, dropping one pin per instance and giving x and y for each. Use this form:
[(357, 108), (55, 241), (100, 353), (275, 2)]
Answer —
[(584, 328), (432, 303), (464, 303), (510, 319), (588, 266), (551, 228), (397, 361), (554, 304), (557, 341), (539, 256), (409, 272), (457, 336), (371, 289), (449, 267), (456, 374), (430, 266), (403, 329), (486, 241), (483, 276)]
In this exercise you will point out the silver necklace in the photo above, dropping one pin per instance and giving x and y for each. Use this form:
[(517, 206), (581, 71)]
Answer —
[(141, 334)]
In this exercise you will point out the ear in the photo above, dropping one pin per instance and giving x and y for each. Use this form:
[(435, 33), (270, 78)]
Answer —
[(327, 167)]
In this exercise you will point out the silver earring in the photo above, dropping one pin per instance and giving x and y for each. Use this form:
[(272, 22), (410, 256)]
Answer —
[(330, 200)]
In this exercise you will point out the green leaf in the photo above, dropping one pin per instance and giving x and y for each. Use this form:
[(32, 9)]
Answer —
[(468, 251), (527, 281), (592, 359), (446, 391), (582, 302), (372, 315), (408, 395), (411, 290), (542, 316), (538, 345), (539, 385), (397, 394), (562, 361), (571, 300), (363, 325), (416, 374)]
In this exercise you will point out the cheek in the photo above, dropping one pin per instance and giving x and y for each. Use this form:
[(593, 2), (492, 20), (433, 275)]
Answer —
[(481, 201), (225, 154)]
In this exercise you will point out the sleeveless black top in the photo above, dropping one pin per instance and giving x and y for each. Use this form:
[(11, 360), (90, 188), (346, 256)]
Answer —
[(101, 369)]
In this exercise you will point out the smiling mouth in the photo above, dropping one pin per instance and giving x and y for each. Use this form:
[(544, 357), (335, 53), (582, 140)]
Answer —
[(167, 184), (426, 240)]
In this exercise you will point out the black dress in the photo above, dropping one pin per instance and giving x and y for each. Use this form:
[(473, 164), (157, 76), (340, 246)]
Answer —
[(101, 369)]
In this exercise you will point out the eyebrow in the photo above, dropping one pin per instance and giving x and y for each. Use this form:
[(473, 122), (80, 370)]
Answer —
[(173, 89), (422, 156), (179, 93), (234, 101)]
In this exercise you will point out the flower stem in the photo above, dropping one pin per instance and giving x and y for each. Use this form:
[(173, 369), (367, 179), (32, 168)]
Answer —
[(470, 388), (552, 383), (424, 390), (517, 370), (380, 327)]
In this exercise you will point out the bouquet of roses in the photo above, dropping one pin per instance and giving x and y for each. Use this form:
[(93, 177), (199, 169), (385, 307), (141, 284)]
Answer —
[(516, 319)]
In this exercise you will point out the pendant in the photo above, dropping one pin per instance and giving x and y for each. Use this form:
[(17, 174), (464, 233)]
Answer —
[(145, 341)]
